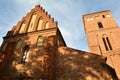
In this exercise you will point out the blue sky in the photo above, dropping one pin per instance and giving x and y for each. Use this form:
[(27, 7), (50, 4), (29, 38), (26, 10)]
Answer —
[(68, 13)]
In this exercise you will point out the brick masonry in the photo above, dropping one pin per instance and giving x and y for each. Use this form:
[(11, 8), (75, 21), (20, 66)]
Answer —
[(51, 61)]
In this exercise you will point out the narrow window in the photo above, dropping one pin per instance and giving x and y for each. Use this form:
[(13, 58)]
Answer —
[(103, 16), (22, 27), (46, 25), (105, 44), (32, 22), (109, 44), (25, 54), (40, 22), (100, 25), (40, 41)]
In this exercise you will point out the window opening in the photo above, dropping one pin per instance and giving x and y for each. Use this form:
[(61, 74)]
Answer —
[(100, 25), (109, 44), (40, 22), (103, 16), (40, 41), (32, 22), (25, 54), (47, 25), (105, 44), (108, 15), (22, 27)]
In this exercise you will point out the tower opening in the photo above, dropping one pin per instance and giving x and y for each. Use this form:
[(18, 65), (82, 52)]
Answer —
[(100, 25), (25, 55), (109, 44), (105, 44)]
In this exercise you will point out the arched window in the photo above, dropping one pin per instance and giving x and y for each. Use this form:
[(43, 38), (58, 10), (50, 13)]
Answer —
[(100, 25), (25, 55), (103, 16), (40, 41), (19, 44), (22, 27), (32, 22), (107, 43), (46, 25), (40, 22)]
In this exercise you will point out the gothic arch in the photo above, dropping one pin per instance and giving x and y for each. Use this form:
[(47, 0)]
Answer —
[(40, 23), (22, 27), (107, 42), (40, 41), (46, 25), (32, 22), (25, 54)]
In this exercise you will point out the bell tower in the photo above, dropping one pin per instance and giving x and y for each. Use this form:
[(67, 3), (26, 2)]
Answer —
[(103, 36), (100, 30)]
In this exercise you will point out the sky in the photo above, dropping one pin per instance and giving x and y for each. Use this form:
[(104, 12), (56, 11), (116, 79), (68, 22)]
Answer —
[(68, 14)]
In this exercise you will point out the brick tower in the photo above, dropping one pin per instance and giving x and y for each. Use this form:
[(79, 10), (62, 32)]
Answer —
[(103, 36)]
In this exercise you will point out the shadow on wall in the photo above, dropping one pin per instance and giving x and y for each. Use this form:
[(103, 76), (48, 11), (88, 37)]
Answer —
[(72, 64), (11, 67)]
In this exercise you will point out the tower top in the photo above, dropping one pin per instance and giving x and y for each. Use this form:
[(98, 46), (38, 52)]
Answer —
[(97, 12), (99, 21), (98, 26)]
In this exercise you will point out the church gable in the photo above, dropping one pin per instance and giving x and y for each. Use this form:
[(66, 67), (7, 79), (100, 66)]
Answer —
[(37, 19)]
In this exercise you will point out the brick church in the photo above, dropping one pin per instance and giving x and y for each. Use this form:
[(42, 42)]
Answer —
[(34, 49)]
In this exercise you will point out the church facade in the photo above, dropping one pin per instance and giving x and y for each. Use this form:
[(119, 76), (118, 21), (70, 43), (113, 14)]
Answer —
[(35, 50)]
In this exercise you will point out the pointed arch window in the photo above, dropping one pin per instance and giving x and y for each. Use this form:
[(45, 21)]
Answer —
[(25, 55), (40, 22), (22, 27), (46, 25), (40, 41), (100, 25), (32, 22), (107, 43)]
